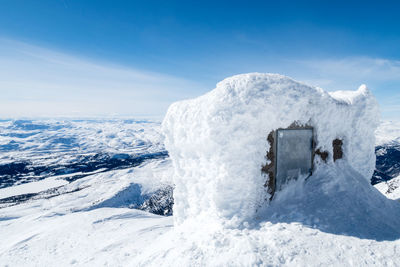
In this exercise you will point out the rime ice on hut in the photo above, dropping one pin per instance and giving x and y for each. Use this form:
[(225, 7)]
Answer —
[(238, 145)]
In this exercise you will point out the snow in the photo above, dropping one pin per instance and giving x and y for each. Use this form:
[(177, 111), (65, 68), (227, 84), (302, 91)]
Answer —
[(33, 187), (72, 229), (271, 244), (388, 132), (51, 136), (218, 141), (100, 237), (391, 188), (333, 218), (88, 224), (45, 148), (332, 225)]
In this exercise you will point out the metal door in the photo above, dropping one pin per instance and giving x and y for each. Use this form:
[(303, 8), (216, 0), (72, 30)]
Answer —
[(293, 154)]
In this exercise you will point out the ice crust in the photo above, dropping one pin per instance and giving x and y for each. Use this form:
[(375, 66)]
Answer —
[(218, 141)]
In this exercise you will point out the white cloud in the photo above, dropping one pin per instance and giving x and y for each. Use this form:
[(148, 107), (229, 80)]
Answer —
[(37, 82), (382, 76), (338, 73)]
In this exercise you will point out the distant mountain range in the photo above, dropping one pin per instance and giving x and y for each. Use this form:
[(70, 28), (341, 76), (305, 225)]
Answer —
[(387, 163), (70, 150)]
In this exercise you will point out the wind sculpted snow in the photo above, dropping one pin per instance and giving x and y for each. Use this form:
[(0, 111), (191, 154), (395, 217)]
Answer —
[(335, 217), (218, 141)]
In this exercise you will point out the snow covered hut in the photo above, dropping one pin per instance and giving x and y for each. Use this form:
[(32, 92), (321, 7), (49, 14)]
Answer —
[(237, 145)]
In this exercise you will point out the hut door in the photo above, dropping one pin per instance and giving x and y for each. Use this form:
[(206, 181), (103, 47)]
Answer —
[(293, 154)]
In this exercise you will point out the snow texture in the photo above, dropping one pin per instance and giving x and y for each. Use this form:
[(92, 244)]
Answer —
[(33, 150), (391, 188), (334, 218), (388, 132), (93, 227), (218, 142)]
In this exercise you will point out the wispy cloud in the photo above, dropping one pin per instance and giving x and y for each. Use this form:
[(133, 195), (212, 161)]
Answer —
[(345, 72), (38, 82), (382, 76)]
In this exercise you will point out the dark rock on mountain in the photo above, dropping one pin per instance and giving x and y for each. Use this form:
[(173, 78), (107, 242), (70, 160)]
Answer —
[(387, 163)]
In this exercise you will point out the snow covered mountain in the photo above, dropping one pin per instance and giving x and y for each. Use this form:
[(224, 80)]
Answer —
[(35, 150), (386, 177), (387, 162), (103, 179), (387, 152), (39, 159), (391, 188), (53, 153)]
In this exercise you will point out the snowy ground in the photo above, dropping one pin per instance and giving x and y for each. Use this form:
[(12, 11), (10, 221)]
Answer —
[(81, 228), (391, 188), (35, 150), (91, 225), (90, 221), (37, 156)]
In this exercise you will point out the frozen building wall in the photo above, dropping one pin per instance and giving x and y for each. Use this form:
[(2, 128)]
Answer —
[(218, 142)]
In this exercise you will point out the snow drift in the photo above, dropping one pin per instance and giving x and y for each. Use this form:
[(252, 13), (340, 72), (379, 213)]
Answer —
[(218, 142), (334, 218)]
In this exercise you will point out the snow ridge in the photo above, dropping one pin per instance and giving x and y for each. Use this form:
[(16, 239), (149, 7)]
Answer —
[(218, 141)]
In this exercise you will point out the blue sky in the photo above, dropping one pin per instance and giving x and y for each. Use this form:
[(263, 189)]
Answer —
[(133, 58)]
